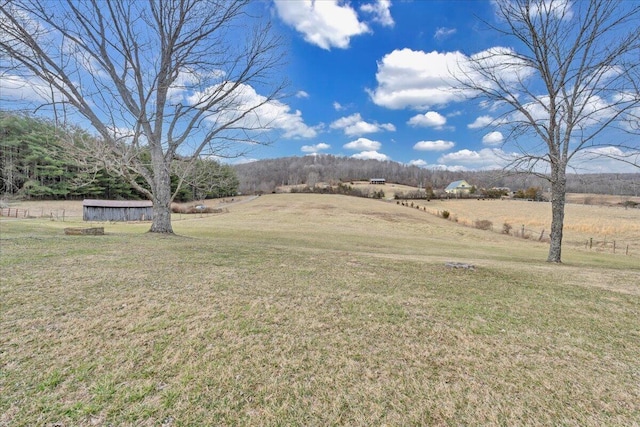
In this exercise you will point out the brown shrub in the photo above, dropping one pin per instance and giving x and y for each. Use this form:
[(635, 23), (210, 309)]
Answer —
[(194, 209), (506, 228), (483, 224)]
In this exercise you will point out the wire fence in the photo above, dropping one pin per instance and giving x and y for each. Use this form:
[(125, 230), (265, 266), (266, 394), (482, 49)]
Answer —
[(14, 213), (610, 246), (53, 214), (73, 215)]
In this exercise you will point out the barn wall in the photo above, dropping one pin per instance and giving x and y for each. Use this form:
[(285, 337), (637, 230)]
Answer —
[(101, 213)]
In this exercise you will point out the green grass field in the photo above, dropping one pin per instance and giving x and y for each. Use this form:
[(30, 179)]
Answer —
[(312, 310)]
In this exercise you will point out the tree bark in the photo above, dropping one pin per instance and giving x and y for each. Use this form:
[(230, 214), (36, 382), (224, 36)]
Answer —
[(558, 198), (161, 200)]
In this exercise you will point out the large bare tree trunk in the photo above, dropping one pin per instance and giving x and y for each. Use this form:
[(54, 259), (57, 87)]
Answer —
[(161, 200), (558, 198)]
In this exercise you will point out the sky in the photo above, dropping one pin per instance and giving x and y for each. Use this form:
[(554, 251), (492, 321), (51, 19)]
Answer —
[(371, 79), (368, 80)]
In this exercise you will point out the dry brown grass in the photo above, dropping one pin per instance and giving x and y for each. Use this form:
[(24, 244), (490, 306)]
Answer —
[(312, 310), (582, 222), (599, 199)]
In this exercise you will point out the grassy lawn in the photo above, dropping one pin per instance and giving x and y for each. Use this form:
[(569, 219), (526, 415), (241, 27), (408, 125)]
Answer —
[(312, 310)]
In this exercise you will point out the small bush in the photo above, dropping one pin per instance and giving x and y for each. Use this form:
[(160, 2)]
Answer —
[(378, 194), (197, 209), (445, 214), (426, 194), (483, 224), (506, 228)]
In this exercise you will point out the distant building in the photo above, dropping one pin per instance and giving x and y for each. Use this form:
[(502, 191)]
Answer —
[(377, 181), (117, 210), (458, 187)]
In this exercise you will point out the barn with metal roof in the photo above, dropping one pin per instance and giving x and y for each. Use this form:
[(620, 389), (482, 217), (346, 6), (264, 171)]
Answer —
[(117, 210)]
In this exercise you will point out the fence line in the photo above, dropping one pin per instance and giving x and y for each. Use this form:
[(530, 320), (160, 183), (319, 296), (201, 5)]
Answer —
[(607, 245), (14, 213), (612, 246)]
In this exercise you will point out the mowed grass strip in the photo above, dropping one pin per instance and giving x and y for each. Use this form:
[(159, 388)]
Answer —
[(311, 310)]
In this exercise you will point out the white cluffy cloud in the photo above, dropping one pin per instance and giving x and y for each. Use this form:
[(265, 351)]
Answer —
[(559, 9), (23, 89), (368, 149), (420, 80), (480, 122), (594, 111), (493, 138), (371, 155), (416, 79), (485, 159), (326, 23), (363, 144), (425, 165), (419, 163), (381, 12), (263, 114), (438, 145), (606, 159), (353, 125), (429, 119), (315, 148)]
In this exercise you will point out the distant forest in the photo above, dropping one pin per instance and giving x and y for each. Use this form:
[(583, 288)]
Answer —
[(35, 164), (264, 176)]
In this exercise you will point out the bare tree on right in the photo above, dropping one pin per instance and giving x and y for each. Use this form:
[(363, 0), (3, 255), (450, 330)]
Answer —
[(567, 90)]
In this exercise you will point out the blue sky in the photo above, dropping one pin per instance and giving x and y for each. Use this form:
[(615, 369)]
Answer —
[(368, 80), (335, 52)]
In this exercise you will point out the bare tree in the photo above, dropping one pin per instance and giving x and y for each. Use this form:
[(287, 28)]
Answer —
[(157, 79), (566, 90)]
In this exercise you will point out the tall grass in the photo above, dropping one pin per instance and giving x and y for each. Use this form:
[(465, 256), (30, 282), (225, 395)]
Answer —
[(582, 222)]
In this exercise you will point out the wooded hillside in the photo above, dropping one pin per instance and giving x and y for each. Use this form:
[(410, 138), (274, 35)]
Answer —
[(37, 163), (265, 175)]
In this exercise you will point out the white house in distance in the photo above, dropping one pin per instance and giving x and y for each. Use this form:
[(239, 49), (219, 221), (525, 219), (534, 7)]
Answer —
[(458, 187)]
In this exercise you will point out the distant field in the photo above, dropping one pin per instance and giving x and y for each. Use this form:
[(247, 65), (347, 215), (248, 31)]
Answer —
[(600, 224), (295, 309), (592, 221)]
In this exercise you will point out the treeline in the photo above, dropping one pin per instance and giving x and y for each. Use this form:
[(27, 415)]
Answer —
[(264, 176), (36, 163)]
